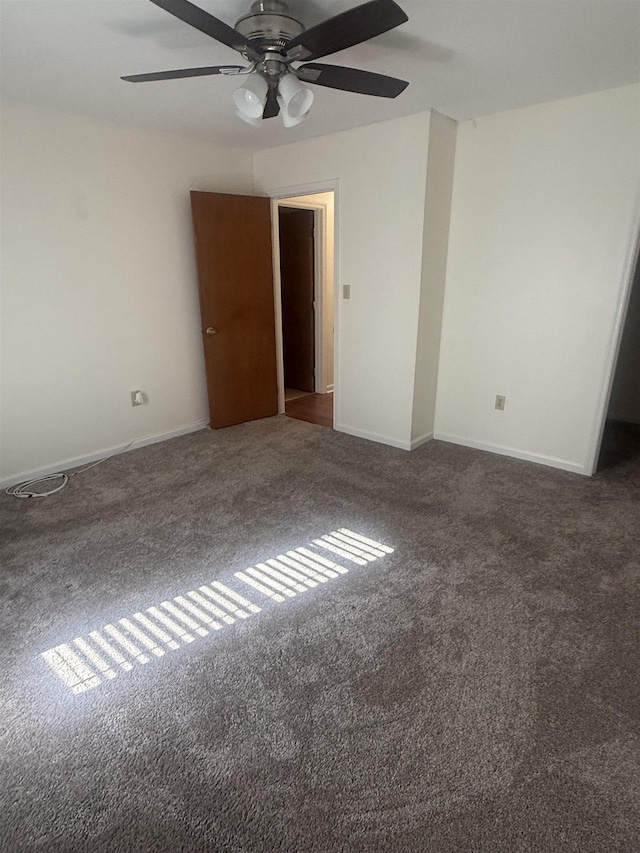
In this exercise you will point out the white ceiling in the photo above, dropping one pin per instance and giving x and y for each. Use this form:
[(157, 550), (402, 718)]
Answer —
[(464, 58)]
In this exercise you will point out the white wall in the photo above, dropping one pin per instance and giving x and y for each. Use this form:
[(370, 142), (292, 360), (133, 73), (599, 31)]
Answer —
[(99, 290), (437, 215), (624, 404), (381, 173), (542, 218)]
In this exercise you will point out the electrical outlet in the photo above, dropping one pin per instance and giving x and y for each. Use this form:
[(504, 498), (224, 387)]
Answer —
[(500, 401), (137, 398), (346, 291)]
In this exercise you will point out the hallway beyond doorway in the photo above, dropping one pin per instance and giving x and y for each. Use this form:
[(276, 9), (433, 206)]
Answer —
[(312, 408)]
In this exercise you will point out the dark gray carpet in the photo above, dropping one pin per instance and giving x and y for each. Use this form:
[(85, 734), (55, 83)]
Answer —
[(477, 690)]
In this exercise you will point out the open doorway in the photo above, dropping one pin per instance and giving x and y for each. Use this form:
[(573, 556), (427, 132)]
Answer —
[(304, 282), (620, 446)]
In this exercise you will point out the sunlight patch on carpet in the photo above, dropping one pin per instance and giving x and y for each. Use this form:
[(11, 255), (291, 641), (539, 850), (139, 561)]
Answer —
[(87, 662)]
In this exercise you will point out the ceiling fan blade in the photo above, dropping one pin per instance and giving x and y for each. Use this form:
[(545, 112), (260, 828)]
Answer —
[(207, 24), (272, 107), (346, 30), (183, 72), (351, 80)]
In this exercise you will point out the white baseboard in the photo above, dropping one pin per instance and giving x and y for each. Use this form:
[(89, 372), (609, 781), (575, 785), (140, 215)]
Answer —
[(385, 439), (539, 458), (87, 458), (373, 436), (420, 440)]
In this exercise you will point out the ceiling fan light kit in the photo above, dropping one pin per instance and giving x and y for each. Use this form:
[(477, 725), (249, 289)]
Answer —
[(294, 97), (270, 40), (287, 119), (251, 97), (256, 122)]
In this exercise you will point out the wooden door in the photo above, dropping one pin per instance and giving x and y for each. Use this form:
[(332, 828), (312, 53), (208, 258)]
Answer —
[(298, 285), (235, 275)]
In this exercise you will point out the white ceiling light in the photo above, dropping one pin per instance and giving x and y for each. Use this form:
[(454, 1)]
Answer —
[(256, 122), (288, 120), (250, 98), (295, 100)]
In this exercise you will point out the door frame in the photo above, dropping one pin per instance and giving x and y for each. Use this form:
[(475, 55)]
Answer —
[(287, 197), (611, 359)]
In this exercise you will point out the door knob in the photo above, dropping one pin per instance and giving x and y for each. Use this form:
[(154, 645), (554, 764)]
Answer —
[(211, 331)]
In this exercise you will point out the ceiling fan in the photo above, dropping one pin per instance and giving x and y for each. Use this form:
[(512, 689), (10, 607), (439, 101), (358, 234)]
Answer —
[(270, 40)]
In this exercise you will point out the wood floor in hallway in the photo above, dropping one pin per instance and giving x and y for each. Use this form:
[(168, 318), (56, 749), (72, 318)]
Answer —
[(312, 408)]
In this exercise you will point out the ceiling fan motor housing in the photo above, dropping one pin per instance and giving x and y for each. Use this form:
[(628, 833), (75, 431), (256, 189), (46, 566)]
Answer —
[(269, 25)]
